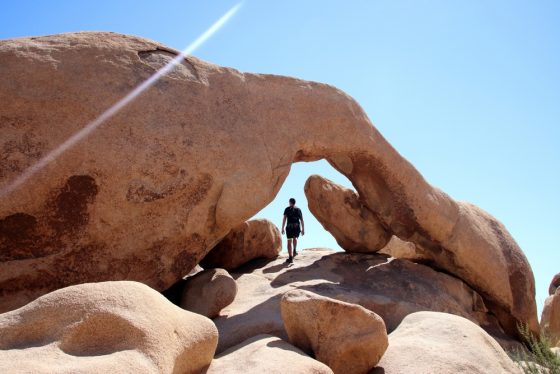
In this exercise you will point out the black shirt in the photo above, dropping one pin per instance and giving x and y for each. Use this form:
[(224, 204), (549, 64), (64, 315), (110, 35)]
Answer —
[(293, 214)]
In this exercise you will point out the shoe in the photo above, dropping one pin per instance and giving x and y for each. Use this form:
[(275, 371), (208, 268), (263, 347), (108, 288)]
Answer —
[(289, 260), (295, 253)]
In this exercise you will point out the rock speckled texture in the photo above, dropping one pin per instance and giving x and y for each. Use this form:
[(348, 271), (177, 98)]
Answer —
[(108, 327), (346, 337), (147, 194)]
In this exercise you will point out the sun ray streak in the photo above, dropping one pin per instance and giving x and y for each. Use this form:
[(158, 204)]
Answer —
[(91, 126)]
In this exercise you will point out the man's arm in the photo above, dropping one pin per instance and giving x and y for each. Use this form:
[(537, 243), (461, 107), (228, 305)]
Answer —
[(302, 225), (283, 224)]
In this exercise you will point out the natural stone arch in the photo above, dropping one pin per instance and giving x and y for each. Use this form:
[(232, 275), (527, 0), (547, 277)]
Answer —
[(169, 170)]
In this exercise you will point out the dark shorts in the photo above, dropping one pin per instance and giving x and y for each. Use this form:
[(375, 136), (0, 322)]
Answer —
[(293, 231)]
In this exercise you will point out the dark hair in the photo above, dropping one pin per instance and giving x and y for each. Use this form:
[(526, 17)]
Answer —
[(292, 200)]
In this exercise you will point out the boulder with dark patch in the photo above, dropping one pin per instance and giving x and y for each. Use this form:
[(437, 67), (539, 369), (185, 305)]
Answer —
[(145, 195)]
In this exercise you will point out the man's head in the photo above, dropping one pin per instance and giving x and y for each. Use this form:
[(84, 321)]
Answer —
[(292, 201)]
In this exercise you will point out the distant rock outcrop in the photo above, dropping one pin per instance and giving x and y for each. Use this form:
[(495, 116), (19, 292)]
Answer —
[(346, 337), (550, 318), (148, 193), (252, 239), (208, 292), (266, 354), (109, 327), (554, 284), (430, 342)]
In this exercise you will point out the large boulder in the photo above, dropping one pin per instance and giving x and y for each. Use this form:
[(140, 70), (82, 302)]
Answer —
[(109, 327), (431, 342), (554, 284), (266, 354), (148, 192), (550, 318), (346, 337), (208, 292), (252, 239), (390, 288), (354, 226)]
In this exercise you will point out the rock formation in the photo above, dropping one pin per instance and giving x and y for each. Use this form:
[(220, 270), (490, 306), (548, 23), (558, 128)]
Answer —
[(108, 327), (346, 337), (458, 251), (266, 354), (390, 288), (353, 225), (208, 292), (550, 318), (554, 284), (252, 239), (431, 342), (149, 192)]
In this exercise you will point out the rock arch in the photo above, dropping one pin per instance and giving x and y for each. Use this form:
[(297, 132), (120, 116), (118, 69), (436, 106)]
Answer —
[(197, 154)]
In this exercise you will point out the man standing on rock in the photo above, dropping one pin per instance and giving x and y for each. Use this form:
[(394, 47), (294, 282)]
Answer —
[(294, 216)]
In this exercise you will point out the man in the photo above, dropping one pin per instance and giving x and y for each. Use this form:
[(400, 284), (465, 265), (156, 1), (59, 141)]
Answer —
[(293, 215)]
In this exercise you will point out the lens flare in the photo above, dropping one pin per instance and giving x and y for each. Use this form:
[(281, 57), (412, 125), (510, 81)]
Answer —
[(91, 126)]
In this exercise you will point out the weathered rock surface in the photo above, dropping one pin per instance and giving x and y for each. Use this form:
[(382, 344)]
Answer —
[(250, 240), (266, 354), (550, 318), (208, 292), (338, 209), (554, 284), (398, 248), (148, 193), (109, 327), (346, 337), (471, 245), (392, 289), (431, 342)]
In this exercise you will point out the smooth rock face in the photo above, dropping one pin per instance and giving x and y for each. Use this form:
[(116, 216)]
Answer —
[(353, 225), (550, 318), (250, 240), (390, 288), (147, 194), (346, 337), (266, 354), (431, 342), (208, 292), (108, 327), (398, 248), (554, 284)]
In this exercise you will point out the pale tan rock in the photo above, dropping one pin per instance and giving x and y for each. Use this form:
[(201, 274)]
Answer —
[(338, 209), (252, 239), (208, 292), (346, 337), (398, 248), (554, 284), (432, 342), (147, 194), (108, 327), (266, 354), (391, 288), (550, 318)]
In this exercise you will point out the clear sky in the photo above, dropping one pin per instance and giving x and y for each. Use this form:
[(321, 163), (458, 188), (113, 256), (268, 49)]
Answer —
[(468, 91)]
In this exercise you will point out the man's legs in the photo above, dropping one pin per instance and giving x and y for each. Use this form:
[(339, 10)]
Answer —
[(295, 246), (290, 249)]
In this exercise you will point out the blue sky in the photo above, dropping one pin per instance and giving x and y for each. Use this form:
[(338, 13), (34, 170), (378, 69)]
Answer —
[(468, 91)]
